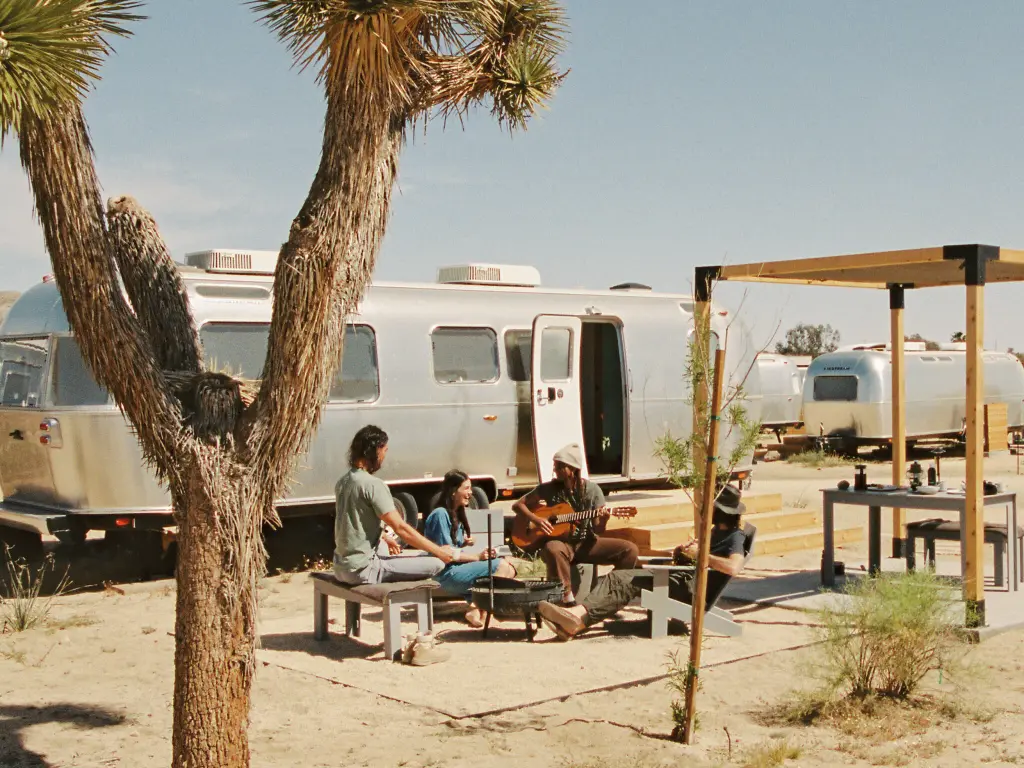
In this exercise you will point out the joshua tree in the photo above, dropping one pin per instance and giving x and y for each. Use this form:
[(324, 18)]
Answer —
[(226, 448)]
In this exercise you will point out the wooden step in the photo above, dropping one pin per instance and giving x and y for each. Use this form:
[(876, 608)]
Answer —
[(810, 538), (669, 535), (662, 513)]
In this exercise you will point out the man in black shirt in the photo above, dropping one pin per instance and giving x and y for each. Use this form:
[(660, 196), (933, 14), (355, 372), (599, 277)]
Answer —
[(615, 590)]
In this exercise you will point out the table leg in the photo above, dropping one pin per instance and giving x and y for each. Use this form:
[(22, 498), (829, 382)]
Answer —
[(1011, 541), (874, 540), (828, 559)]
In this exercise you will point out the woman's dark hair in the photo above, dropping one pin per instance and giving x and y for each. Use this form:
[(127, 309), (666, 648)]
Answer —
[(365, 445), (453, 480), (732, 522)]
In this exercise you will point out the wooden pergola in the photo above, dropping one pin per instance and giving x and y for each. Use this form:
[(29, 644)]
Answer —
[(898, 271)]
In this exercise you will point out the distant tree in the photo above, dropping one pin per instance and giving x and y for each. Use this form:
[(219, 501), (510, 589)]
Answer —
[(812, 340), (958, 336), (929, 345)]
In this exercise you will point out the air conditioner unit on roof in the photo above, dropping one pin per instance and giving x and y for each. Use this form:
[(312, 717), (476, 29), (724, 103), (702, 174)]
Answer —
[(234, 262), (489, 274)]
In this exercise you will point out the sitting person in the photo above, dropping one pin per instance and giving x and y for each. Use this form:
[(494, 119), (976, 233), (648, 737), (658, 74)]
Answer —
[(617, 589), (585, 544), (363, 507), (448, 526)]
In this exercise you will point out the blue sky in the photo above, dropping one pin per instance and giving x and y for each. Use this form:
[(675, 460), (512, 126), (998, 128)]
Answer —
[(686, 133)]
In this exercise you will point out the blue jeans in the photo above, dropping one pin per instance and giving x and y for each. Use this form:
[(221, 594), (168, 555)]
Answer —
[(385, 569)]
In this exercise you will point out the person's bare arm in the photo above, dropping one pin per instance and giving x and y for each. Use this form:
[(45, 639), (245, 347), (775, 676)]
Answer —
[(414, 538), (525, 507), (730, 566)]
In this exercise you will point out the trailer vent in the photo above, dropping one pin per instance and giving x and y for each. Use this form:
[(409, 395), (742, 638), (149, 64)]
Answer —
[(489, 274), (630, 287), (234, 262)]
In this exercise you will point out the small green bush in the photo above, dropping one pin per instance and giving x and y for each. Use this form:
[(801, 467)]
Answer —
[(887, 633)]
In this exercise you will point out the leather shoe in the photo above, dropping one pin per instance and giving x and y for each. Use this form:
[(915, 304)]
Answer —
[(564, 623)]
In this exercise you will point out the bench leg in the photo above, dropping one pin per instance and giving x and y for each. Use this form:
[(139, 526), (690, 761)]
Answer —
[(392, 630), (424, 616), (929, 545), (319, 615), (910, 553), (352, 618)]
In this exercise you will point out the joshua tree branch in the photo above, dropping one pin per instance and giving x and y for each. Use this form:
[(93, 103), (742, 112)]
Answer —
[(153, 284), (321, 275), (57, 156)]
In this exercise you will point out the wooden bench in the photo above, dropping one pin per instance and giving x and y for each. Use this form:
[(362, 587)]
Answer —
[(391, 598), (938, 529)]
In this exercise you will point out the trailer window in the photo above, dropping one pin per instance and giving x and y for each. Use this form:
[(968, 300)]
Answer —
[(464, 355), (237, 349), (518, 354), (555, 354), (73, 383), (357, 381), (22, 369), (835, 388)]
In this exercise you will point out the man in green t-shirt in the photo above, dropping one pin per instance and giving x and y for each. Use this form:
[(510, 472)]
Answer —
[(363, 506), (586, 544)]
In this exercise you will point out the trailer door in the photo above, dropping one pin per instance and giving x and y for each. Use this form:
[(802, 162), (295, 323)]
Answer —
[(555, 385)]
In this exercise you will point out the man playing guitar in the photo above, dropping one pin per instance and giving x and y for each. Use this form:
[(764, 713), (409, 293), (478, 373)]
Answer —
[(585, 544)]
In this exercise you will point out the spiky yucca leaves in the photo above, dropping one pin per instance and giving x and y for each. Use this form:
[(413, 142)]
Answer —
[(51, 51), (426, 54)]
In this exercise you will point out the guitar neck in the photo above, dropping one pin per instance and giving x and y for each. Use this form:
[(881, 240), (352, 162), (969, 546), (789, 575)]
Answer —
[(576, 517)]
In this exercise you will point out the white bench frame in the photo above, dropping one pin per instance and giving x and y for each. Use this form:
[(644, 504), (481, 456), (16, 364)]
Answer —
[(662, 608), (325, 586)]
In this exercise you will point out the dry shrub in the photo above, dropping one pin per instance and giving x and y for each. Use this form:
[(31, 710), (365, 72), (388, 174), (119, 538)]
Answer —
[(886, 634), (770, 754), (22, 605), (820, 457)]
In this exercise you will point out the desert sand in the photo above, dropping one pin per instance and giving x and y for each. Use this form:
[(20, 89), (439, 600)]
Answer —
[(92, 685)]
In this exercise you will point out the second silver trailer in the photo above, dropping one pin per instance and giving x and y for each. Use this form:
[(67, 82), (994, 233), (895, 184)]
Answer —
[(848, 394)]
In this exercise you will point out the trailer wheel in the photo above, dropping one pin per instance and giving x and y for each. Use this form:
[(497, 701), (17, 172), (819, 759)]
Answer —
[(479, 499), (407, 506)]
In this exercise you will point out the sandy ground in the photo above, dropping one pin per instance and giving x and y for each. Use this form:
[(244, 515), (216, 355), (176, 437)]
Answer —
[(92, 687)]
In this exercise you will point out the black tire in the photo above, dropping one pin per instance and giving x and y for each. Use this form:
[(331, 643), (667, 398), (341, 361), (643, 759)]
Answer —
[(479, 499), (406, 504)]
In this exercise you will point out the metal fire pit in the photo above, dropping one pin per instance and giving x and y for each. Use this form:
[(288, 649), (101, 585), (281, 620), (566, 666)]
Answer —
[(510, 598)]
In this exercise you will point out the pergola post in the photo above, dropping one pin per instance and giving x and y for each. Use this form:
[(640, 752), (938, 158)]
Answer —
[(899, 410), (974, 536)]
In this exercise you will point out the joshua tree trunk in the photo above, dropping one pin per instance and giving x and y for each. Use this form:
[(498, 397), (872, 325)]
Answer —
[(215, 630), (224, 463)]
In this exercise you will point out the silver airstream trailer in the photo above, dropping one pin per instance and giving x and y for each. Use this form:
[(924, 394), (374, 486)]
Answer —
[(485, 371), (848, 394), (778, 387)]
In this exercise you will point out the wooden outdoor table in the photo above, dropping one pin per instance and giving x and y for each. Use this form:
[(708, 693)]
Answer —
[(904, 499)]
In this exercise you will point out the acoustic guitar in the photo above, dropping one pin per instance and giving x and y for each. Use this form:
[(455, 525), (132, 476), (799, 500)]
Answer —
[(563, 518)]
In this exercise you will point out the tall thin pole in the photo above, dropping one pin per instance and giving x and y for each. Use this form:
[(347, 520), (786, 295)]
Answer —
[(899, 410), (704, 547), (974, 586)]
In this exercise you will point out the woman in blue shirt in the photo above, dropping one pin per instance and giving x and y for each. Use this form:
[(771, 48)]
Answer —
[(448, 526)]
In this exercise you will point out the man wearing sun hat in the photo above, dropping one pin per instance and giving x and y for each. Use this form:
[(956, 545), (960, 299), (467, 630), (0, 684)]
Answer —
[(617, 589), (586, 544)]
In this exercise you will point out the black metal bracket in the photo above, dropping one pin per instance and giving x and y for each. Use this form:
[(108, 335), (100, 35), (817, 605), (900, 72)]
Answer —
[(973, 258), (896, 297), (704, 279)]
